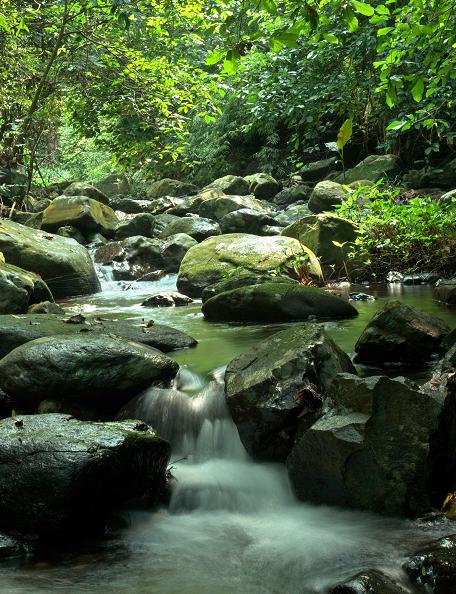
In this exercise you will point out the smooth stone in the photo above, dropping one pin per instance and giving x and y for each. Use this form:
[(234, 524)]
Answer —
[(168, 299), (19, 289), (83, 213)]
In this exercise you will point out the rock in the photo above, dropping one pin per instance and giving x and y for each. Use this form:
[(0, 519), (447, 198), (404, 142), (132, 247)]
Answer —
[(232, 255), (100, 370), (197, 227), (17, 330), (245, 220), (232, 185), (139, 256), (174, 249), (65, 266), (152, 276), (170, 187), (317, 170), (325, 196), (141, 224), (424, 278), (39, 205), (116, 183), (162, 221), (12, 547), (160, 205), (445, 291), (292, 214), (276, 302), (379, 461), (19, 289), (432, 177), (105, 254), (86, 214), (371, 581), (45, 307), (270, 230), (95, 240), (128, 205), (219, 207), (319, 232), (71, 232), (83, 189), (433, 569), (399, 333), (372, 168), (168, 299), (273, 386), (13, 183), (289, 196), (263, 186), (59, 474), (242, 280)]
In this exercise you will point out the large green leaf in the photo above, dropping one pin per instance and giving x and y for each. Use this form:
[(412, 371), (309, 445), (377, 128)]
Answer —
[(363, 8), (418, 89), (345, 133)]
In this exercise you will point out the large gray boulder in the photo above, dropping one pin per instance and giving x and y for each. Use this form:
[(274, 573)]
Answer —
[(138, 256), (317, 170), (321, 233), (372, 168), (174, 249), (281, 382), (139, 224), (263, 186), (231, 185), (379, 459), (231, 255), (293, 213), (84, 189), (399, 333), (59, 474), (85, 214), (19, 289), (445, 291), (216, 208), (18, 330), (246, 220), (170, 187), (276, 302), (199, 228), (63, 264), (116, 183), (325, 196), (101, 371)]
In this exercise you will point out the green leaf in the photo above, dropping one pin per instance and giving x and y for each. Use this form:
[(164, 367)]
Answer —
[(363, 8), (350, 20), (345, 133), (418, 90), (287, 38), (230, 65), (215, 57), (331, 38), (268, 6), (384, 31), (314, 261), (382, 9)]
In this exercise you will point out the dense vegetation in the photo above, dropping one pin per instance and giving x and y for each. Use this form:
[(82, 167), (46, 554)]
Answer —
[(201, 88)]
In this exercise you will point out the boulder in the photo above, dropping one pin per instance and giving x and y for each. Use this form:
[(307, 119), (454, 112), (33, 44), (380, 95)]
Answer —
[(86, 214), (279, 383), (245, 220), (378, 460), (232, 185), (445, 291), (170, 187), (167, 299), (292, 214), (289, 196), (139, 256), (372, 168), (232, 255), (102, 371), (46, 307), (319, 232), (263, 186), (160, 205), (433, 569), (58, 474), (325, 196), (18, 330), (399, 333), (162, 221), (197, 227), (371, 581), (19, 289), (84, 189), (64, 265), (71, 232), (128, 205), (13, 183), (108, 252), (219, 207), (317, 170), (276, 302), (242, 280), (116, 183), (174, 249), (140, 224), (432, 177)]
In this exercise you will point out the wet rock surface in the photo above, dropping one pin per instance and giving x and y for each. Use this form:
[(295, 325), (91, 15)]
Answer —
[(433, 569)]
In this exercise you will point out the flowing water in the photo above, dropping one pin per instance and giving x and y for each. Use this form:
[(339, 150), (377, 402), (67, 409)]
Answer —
[(232, 526)]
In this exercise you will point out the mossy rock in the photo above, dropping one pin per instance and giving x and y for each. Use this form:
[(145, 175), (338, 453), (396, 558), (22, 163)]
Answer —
[(85, 214), (19, 289)]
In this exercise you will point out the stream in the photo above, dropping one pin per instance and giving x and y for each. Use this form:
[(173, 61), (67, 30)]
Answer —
[(232, 526)]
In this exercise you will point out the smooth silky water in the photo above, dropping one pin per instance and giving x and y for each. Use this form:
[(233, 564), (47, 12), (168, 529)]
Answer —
[(232, 526)]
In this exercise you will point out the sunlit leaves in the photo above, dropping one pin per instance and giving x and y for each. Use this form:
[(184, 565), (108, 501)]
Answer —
[(362, 8)]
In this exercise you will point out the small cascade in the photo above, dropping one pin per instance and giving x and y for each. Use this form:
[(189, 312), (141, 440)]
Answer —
[(212, 468)]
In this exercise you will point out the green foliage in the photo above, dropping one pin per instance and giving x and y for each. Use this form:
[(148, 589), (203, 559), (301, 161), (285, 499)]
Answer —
[(396, 233)]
